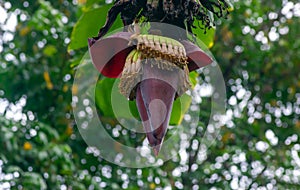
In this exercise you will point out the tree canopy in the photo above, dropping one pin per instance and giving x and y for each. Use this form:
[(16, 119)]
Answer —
[(42, 44)]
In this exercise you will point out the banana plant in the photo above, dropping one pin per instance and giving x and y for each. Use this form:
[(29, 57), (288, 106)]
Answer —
[(153, 64)]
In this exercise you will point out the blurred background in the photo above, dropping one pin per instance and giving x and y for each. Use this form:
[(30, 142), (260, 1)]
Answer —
[(257, 48)]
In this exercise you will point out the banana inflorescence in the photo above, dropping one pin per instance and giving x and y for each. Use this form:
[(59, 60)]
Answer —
[(161, 52)]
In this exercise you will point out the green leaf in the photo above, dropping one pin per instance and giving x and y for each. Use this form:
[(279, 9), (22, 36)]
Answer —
[(46, 17), (106, 91), (12, 169), (50, 50), (208, 37), (33, 180), (133, 109), (3, 158), (180, 107), (103, 96), (66, 148), (88, 26), (49, 131), (42, 138), (90, 3), (42, 155), (193, 78)]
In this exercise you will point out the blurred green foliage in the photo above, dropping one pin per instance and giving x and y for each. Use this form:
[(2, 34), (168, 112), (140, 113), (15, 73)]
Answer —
[(257, 48)]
